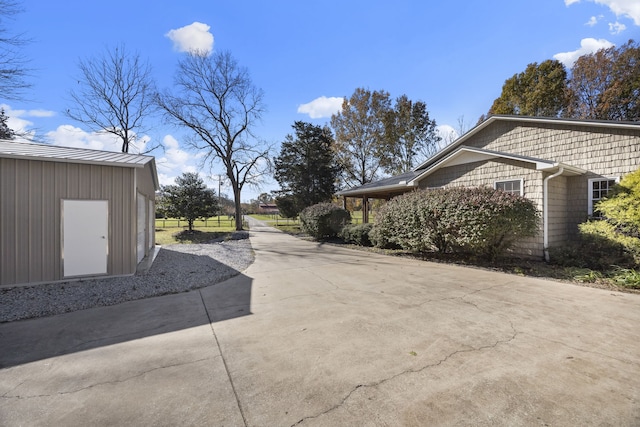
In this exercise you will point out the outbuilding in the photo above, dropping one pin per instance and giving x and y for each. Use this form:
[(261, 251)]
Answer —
[(69, 213)]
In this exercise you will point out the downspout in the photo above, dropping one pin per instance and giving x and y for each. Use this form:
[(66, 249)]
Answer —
[(545, 212)]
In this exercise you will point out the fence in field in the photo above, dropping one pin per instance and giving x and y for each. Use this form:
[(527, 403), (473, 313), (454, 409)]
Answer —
[(222, 221)]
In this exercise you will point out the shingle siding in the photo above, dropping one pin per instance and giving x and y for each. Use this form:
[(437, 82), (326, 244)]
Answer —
[(601, 151), (486, 173)]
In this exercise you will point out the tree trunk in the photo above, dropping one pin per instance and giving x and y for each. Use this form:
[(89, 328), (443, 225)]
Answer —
[(236, 196)]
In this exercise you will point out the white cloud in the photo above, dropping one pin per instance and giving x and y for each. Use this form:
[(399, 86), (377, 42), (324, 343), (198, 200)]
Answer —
[(174, 162), (71, 136), (587, 46), (193, 37), (592, 21), (321, 107), (626, 8), (19, 120), (40, 113), (447, 134), (616, 28)]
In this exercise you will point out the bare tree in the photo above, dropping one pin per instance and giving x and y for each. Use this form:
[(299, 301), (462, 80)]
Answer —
[(115, 94), (13, 64), (219, 104)]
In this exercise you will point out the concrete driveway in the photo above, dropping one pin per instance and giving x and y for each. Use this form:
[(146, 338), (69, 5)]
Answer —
[(315, 335)]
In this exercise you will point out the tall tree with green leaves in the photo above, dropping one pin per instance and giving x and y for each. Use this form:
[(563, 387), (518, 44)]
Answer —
[(214, 98), (541, 90), (360, 136), (410, 135), (189, 199), (306, 169)]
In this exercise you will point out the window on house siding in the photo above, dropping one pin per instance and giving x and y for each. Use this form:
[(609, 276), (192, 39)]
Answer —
[(598, 189), (513, 186)]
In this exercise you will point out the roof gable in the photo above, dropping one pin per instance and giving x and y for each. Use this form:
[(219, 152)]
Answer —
[(540, 121), (464, 155)]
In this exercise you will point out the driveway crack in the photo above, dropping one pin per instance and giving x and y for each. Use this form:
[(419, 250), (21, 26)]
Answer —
[(118, 381), (410, 371)]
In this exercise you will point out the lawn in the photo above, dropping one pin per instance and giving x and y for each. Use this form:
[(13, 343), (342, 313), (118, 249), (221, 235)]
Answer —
[(288, 225), (170, 230)]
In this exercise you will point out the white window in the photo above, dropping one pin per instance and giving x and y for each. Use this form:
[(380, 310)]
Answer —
[(513, 186), (598, 189)]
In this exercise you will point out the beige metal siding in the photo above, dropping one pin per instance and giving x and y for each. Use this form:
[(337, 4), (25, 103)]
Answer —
[(30, 215), (146, 186)]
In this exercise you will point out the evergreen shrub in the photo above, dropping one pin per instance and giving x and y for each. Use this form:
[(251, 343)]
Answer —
[(357, 234), (480, 221), (323, 220), (613, 241)]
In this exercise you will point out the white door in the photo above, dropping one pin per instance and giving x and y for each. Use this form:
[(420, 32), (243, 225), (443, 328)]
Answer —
[(85, 237)]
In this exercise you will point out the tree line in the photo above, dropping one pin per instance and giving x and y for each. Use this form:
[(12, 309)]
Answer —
[(372, 136), (604, 85)]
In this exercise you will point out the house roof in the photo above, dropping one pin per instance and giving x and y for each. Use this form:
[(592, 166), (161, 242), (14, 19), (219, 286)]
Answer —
[(464, 154), (55, 153), (457, 153), (609, 124), (383, 188)]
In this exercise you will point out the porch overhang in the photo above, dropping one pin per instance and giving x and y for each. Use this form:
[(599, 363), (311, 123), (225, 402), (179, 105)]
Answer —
[(386, 188)]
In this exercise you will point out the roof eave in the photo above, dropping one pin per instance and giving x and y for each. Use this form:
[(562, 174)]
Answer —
[(384, 189)]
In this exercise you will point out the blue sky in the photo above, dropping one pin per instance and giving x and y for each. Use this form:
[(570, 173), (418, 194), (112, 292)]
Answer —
[(307, 55)]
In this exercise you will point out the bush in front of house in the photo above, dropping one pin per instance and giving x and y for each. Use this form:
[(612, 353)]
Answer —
[(480, 221), (323, 220), (592, 249), (415, 221), (357, 234), (621, 207), (614, 240)]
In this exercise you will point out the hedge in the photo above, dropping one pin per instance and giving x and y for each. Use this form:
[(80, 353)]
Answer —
[(479, 221), (323, 220)]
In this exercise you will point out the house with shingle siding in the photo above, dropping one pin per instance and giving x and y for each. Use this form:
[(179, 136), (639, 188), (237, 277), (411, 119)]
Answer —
[(69, 213), (564, 166)]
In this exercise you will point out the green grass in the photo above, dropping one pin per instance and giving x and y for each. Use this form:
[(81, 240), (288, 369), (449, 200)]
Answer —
[(222, 222), (288, 225), (168, 236), (171, 230)]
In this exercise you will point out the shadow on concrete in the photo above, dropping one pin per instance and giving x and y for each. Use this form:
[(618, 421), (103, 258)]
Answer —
[(30, 340)]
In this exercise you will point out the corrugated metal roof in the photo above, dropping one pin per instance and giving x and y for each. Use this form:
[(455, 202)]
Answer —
[(54, 153)]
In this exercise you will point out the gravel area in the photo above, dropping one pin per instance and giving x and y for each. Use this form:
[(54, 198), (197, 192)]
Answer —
[(177, 268)]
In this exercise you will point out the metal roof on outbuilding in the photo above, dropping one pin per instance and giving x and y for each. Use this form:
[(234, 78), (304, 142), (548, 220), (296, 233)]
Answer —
[(46, 152)]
